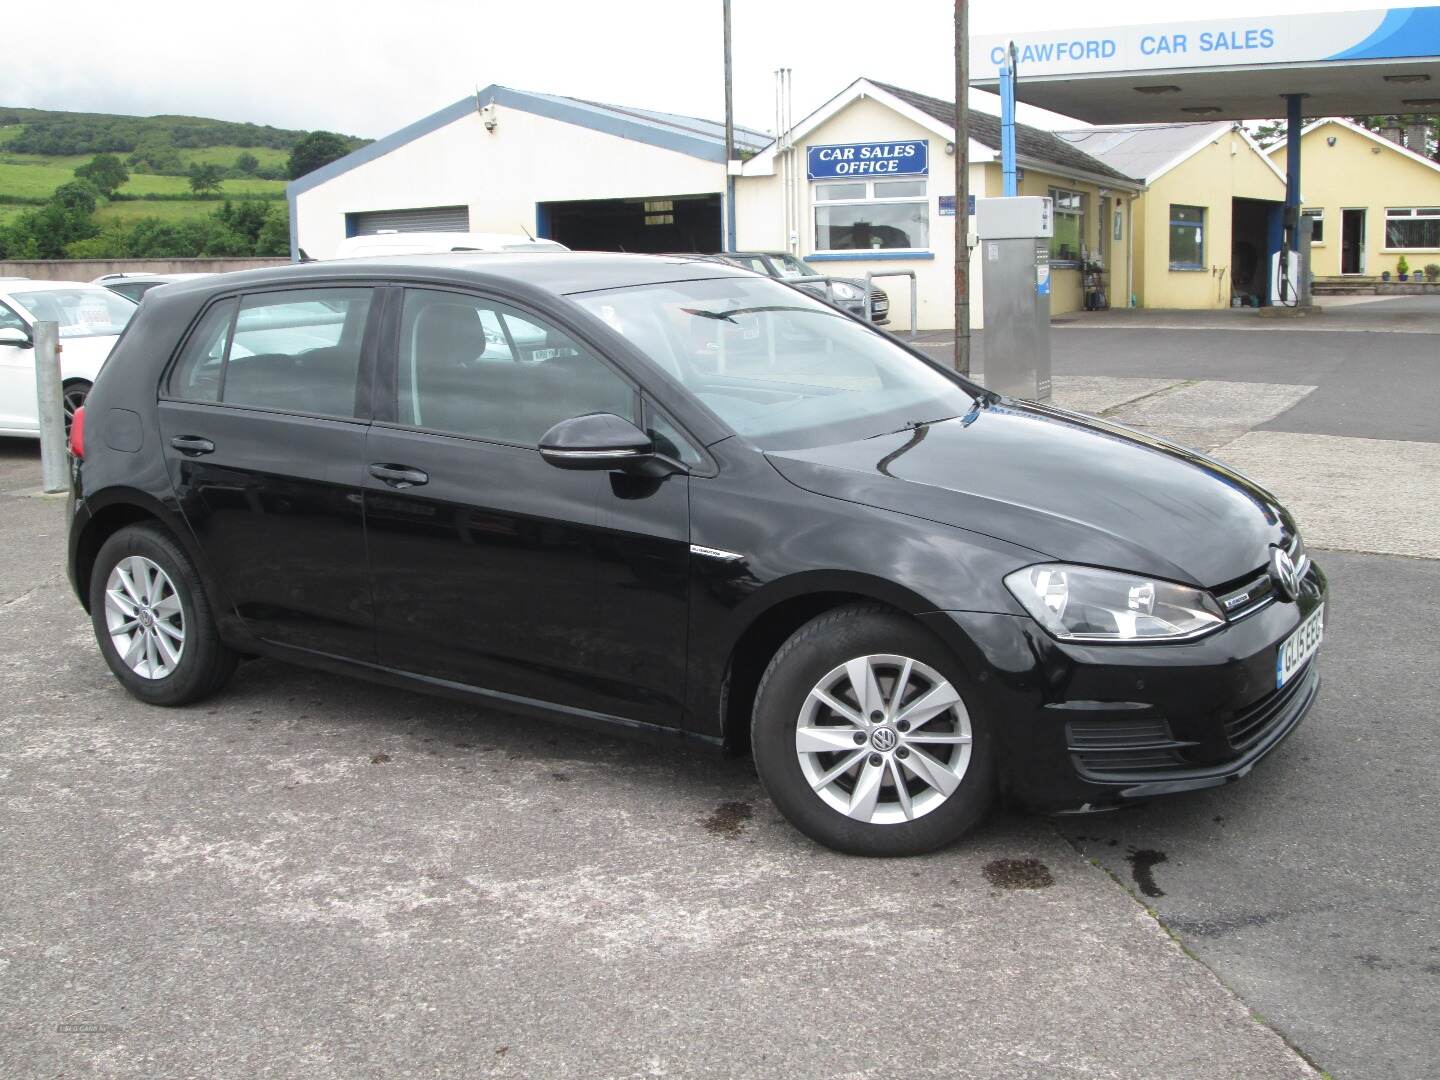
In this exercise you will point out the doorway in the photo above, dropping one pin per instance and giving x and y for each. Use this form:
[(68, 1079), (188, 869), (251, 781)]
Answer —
[(649, 225), (1352, 241), (1250, 228)]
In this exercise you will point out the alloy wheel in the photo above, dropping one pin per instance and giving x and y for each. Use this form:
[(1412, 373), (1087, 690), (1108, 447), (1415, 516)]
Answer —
[(144, 617), (884, 739), (72, 399)]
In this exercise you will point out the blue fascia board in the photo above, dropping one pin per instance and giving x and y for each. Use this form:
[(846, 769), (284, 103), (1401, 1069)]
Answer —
[(868, 256), (595, 117), (599, 118)]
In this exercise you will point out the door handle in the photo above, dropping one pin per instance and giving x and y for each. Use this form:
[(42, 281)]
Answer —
[(399, 476), (192, 445)]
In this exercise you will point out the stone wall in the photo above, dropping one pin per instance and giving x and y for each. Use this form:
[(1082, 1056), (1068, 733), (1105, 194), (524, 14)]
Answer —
[(89, 269)]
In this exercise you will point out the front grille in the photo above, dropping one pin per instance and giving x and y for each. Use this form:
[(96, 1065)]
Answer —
[(1247, 595), (1237, 601), (1103, 748), (1252, 724)]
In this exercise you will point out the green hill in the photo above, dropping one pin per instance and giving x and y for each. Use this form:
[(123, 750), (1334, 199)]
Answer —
[(40, 150)]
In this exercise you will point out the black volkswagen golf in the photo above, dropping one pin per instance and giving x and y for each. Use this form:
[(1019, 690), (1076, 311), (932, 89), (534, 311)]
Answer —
[(669, 496)]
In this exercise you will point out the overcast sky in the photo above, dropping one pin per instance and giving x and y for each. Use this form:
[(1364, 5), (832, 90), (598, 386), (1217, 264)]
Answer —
[(366, 68)]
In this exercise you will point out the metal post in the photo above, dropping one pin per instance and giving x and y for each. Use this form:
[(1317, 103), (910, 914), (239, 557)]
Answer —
[(1007, 122), (729, 140), (1290, 290), (870, 277), (50, 396), (962, 187)]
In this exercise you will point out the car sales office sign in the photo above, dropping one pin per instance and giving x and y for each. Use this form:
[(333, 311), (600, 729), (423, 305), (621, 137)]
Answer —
[(840, 161)]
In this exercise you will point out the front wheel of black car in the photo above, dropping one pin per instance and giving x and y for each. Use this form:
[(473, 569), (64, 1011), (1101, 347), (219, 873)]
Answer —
[(153, 619), (863, 737)]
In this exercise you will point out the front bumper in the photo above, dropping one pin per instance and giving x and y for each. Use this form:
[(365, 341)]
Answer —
[(1086, 727)]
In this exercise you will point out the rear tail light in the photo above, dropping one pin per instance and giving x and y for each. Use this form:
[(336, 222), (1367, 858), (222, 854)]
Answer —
[(77, 434)]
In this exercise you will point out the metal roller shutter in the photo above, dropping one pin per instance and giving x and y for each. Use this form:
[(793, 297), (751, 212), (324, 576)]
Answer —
[(426, 219)]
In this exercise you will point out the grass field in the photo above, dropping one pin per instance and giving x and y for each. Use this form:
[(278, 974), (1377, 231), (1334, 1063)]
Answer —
[(225, 155), (35, 176)]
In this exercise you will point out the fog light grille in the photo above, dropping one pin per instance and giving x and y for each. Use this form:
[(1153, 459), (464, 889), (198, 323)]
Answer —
[(1103, 748)]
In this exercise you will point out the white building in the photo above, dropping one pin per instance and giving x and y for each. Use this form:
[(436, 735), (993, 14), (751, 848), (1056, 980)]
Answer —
[(863, 184), (590, 176)]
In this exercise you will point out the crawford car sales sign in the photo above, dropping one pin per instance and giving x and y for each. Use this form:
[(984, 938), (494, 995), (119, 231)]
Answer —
[(841, 160)]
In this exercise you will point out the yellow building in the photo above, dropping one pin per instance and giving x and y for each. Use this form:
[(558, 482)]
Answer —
[(1371, 199), (853, 224), (1209, 221)]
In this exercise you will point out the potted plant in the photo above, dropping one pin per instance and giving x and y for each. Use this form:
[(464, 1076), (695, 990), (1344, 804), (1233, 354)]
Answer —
[(1432, 272), (1384, 275), (1403, 268)]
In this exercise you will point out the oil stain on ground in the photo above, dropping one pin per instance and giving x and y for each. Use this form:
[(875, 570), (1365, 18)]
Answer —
[(1142, 865), (1019, 874), (728, 819)]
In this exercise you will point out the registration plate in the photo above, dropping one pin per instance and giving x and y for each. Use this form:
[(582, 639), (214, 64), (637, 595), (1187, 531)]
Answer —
[(1299, 647)]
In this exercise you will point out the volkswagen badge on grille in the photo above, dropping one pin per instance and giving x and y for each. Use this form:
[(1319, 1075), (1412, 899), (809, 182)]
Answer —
[(1285, 573)]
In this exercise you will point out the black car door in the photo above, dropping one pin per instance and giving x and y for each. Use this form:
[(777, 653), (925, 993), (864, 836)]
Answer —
[(493, 569), (263, 425)]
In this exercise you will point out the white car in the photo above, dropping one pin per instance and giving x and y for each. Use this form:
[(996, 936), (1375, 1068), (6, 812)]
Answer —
[(133, 285), (439, 243), (90, 319)]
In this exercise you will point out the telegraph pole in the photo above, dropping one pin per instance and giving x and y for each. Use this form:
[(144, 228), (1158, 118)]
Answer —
[(962, 187)]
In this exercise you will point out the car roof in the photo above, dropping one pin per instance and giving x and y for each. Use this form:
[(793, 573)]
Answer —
[(558, 272), (136, 276), (29, 285)]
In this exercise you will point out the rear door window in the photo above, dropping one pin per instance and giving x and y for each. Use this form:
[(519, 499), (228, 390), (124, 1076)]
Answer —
[(295, 351)]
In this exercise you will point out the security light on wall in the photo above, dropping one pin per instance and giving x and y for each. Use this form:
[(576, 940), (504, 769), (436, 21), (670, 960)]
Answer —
[(949, 148), (1330, 140)]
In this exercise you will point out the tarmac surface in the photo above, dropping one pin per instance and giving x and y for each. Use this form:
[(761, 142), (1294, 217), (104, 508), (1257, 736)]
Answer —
[(313, 875)]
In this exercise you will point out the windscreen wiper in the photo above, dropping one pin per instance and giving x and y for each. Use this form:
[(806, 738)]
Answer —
[(725, 316), (912, 425)]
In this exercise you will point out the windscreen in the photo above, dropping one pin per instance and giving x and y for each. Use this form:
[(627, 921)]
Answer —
[(791, 267), (777, 367), (84, 311)]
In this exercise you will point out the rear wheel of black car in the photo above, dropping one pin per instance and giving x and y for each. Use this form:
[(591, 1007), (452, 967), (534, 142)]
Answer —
[(863, 737), (153, 621)]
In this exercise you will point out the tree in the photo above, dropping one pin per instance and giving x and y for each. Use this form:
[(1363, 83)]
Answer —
[(274, 238), (205, 178), (77, 197), (105, 172), (314, 150), (246, 164)]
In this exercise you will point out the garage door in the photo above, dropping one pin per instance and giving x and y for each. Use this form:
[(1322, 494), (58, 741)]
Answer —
[(426, 219)]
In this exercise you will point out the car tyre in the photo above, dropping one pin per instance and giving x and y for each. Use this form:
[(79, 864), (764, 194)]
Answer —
[(73, 397), (153, 620), (799, 740)]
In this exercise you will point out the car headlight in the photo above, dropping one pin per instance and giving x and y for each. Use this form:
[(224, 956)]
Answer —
[(1081, 603), (845, 291)]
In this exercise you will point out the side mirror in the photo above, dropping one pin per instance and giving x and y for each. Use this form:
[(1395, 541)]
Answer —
[(596, 441), (11, 335)]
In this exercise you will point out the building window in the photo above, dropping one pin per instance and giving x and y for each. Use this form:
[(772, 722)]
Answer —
[(1412, 227), (1067, 243), (1317, 230), (872, 215), (1187, 237)]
